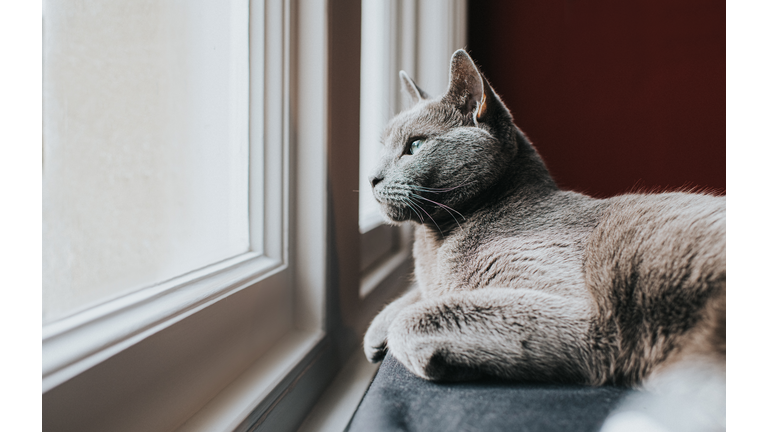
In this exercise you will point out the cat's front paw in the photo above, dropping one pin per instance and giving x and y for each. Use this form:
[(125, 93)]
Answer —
[(427, 351), (375, 340), (419, 357), (424, 355)]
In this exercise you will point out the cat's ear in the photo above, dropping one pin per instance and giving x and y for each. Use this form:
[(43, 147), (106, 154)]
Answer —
[(417, 94), (468, 90)]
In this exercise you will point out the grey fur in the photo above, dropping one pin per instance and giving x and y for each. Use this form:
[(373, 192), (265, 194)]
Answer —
[(521, 280)]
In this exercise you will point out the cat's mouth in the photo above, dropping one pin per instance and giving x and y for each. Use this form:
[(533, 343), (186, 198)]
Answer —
[(400, 204), (406, 202), (394, 211), (394, 204)]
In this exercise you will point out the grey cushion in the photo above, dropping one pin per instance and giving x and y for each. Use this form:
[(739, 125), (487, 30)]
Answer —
[(400, 401)]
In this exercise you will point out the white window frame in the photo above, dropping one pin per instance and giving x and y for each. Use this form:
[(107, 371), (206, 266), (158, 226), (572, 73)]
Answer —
[(97, 341), (82, 339), (202, 351)]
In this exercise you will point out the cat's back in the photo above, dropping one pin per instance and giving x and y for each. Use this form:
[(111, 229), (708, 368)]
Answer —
[(665, 210), (664, 231)]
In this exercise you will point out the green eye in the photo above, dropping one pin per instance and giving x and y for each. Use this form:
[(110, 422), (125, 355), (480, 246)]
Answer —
[(416, 146)]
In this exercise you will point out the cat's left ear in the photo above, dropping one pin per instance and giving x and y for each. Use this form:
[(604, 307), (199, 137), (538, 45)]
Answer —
[(417, 94), (469, 91)]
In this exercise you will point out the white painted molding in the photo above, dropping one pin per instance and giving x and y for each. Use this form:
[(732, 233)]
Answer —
[(309, 209), (76, 343)]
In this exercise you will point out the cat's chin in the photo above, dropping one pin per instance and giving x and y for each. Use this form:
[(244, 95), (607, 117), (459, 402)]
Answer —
[(395, 216), (391, 221)]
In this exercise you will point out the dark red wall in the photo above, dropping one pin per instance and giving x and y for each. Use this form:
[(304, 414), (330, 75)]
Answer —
[(615, 95)]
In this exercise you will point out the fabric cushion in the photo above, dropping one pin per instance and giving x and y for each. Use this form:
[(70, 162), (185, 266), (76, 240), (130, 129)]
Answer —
[(397, 400)]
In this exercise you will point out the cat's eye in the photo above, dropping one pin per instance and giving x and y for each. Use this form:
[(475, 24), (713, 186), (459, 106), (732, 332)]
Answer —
[(416, 146)]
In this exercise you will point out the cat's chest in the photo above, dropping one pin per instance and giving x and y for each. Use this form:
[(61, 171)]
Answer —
[(549, 260)]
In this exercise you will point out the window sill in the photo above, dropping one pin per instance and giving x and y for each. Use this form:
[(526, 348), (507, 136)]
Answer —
[(253, 394), (339, 402), (249, 401)]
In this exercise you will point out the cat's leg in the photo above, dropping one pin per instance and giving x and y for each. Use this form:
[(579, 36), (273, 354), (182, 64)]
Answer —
[(512, 333), (375, 340)]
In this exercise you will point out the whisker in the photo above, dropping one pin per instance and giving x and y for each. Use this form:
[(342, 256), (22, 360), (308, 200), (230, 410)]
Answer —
[(414, 210), (447, 208), (407, 202), (441, 205), (428, 215), (437, 190)]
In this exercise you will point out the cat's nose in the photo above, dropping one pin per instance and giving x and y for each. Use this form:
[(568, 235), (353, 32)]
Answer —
[(374, 179)]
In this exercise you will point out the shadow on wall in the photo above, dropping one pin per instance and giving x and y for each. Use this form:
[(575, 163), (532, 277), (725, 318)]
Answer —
[(616, 96)]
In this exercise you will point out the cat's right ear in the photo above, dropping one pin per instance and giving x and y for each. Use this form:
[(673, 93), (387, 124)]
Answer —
[(468, 89), (417, 94)]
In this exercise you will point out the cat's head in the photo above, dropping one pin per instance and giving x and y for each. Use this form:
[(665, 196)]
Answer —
[(442, 153)]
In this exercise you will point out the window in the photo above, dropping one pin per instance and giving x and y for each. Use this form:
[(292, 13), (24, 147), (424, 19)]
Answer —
[(147, 144), (167, 187), (418, 37), (203, 155)]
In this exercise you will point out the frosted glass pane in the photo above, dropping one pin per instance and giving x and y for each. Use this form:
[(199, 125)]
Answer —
[(376, 106), (145, 158)]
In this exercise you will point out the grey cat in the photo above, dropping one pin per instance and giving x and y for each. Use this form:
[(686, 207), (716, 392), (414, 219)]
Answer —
[(521, 280)]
